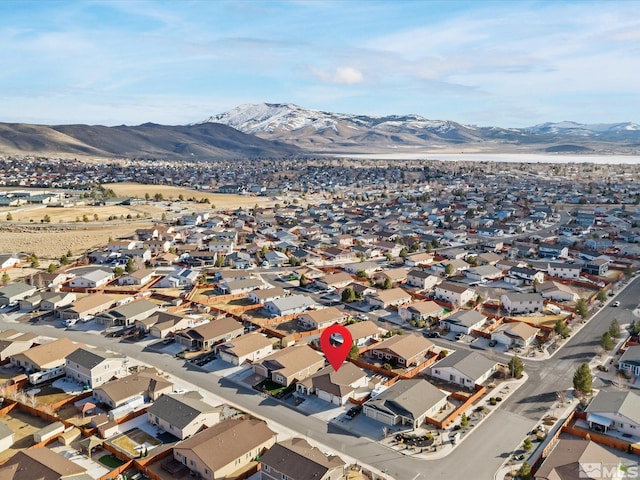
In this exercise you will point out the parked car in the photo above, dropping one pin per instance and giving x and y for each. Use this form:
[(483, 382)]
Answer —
[(493, 343), (431, 334), (615, 304), (460, 336), (353, 411)]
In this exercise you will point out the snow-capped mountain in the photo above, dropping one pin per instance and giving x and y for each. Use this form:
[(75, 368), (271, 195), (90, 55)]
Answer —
[(319, 131)]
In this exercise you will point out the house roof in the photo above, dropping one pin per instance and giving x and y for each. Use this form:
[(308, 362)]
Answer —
[(41, 355), (268, 293), (425, 308), (291, 360), (631, 356), (298, 460), (216, 329), (229, 439), (292, 302), (470, 364), (180, 410), (40, 463), (623, 403), (323, 315), (241, 346), (336, 382), (453, 287), (90, 358), (518, 329), (92, 301), (467, 318), (135, 384), (392, 294), (133, 309), (363, 329), (336, 278), (523, 297), (14, 289), (564, 461), (407, 398), (405, 346), (551, 286)]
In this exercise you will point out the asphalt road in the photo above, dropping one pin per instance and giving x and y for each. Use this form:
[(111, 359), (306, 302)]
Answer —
[(478, 457)]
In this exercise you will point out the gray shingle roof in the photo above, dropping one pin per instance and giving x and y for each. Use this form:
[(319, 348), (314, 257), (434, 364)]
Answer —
[(471, 364), (407, 398), (180, 410)]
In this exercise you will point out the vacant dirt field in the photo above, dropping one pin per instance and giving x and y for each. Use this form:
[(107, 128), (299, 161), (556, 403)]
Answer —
[(23, 426), (51, 243), (220, 200)]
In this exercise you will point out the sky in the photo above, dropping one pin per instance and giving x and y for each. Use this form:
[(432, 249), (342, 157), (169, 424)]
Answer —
[(503, 63)]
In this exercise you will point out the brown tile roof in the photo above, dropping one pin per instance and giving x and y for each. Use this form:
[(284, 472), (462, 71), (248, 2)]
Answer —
[(405, 346), (39, 464)]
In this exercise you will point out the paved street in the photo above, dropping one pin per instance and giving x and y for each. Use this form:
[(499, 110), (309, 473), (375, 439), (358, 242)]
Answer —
[(479, 456)]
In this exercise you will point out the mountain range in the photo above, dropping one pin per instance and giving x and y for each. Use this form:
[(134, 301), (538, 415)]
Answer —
[(283, 130)]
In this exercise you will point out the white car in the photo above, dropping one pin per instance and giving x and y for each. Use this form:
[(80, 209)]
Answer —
[(615, 304)]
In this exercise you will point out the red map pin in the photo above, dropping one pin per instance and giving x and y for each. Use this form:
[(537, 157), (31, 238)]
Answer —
[(336, 353)]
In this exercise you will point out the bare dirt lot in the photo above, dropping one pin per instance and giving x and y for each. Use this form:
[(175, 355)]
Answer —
[(77, 214), (23, 426)]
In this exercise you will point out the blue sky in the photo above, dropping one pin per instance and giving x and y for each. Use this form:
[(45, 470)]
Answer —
[(504, 63)]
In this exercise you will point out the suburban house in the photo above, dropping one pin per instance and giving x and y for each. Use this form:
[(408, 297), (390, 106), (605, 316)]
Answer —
[(463, 321), (91, 277), (47, 356), (406, 402), (336, 386), (393, 297), (422, 280), (289, 305), (483, 273), (419, 259), (456, 265), (464, 367), (518, 275), (252, 346), (420, 311), (568, 271), (363, 332), (515, 334), (41, 463), (295, 459), (52, 301), (146, 383), (457, 294), (570, 459), (552, 250), (234, 287), (629, 361), (178, 279), (18, 343), (405, 350), (517, 303), (615, 411), (6, 440), (127, 314), (321, 318), (599, 266), (395, 276), (204, 337), (225, 448), (138, 278), (15, 292), (8, 261), (289, 364), (93, 368), (556, 291), (266, 295), (164, 324), (89, 305), (334, 280), (182, 415)]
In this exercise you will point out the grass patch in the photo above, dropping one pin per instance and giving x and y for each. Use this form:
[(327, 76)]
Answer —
[(270, 386), (110, 461)]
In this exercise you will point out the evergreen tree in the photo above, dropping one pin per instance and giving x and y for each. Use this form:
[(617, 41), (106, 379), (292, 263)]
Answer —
[(524, 473), (614, 329), (129, 267), (602, 295), (582, 308), (561, 328), (348, 295), (606, 342), (516, 367), (583, 379)]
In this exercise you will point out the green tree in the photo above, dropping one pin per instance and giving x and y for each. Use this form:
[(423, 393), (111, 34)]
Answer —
[(348, 295), (181, 198), (118, 271), (602, 295), (5, 278), (516, 367), (582, 308), (583, 379), (46, 219), (634, 328), (64, 260), (614, 329), (9, 217), (536, 282), (527, 444), (561, 328), (158, 197), (33, 258), (464, 420), (428, 248), (354, 352), (448, 270), (387, 283), (85, 218), (606, 342), (389, 257), (52, 268), (95, 217), (524, 472), (628, 271), (362, 274), (129, 267), (404, 253)]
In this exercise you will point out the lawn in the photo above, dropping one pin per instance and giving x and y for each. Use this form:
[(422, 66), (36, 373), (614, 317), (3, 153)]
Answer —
[(270, 386), (110, 461)]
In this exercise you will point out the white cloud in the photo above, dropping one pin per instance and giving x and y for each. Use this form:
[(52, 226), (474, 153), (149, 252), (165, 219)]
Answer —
[(339, 75)]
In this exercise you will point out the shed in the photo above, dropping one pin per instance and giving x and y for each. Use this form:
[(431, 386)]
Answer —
[(48, 432)]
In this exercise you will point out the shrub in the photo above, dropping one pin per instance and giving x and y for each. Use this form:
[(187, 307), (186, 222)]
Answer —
[(492, 401)]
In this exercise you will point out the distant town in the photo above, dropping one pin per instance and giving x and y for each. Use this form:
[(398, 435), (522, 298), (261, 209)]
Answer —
[(494, 310)]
